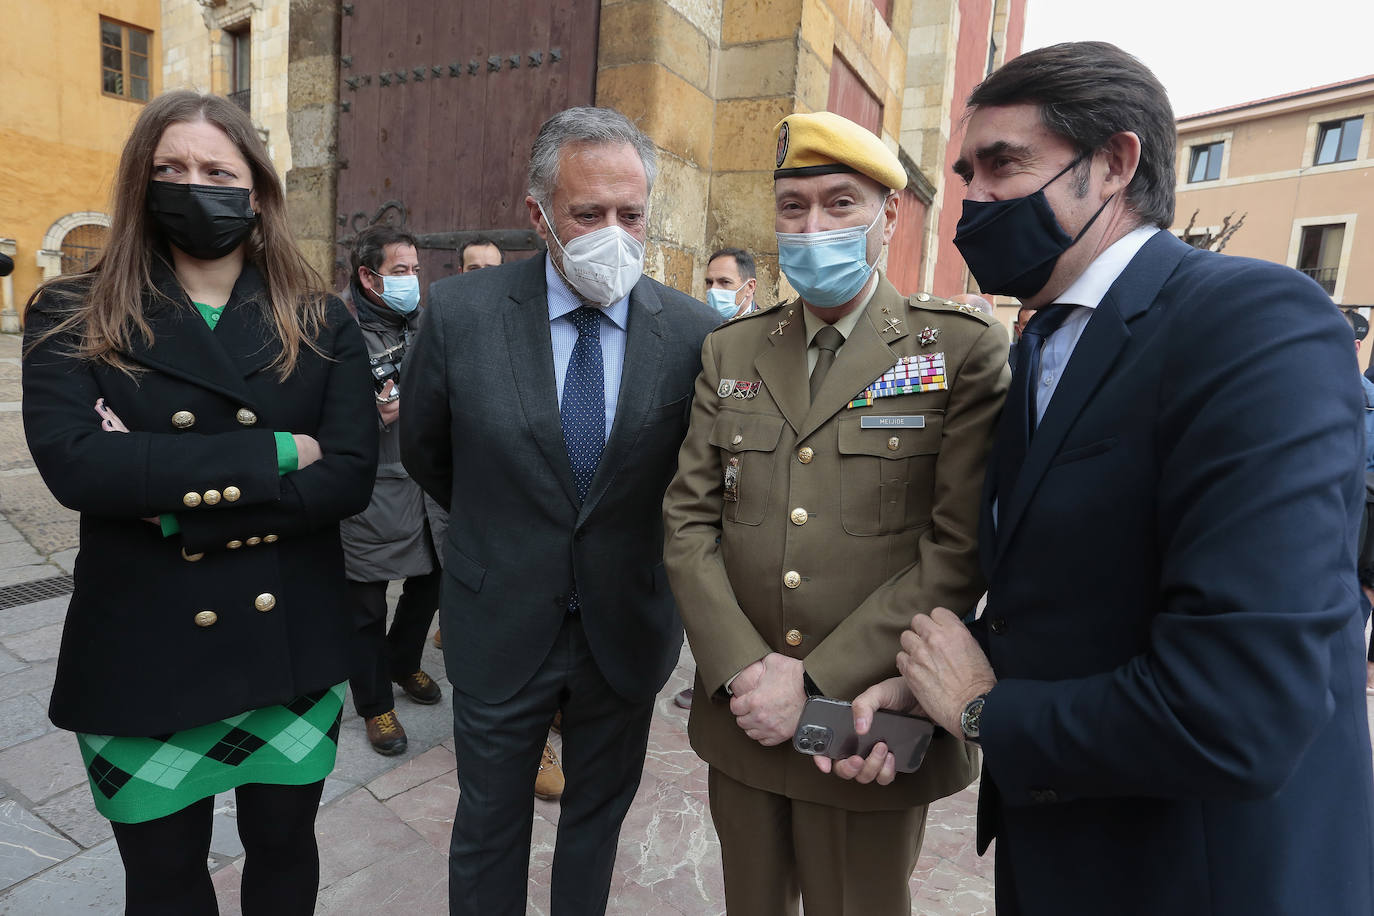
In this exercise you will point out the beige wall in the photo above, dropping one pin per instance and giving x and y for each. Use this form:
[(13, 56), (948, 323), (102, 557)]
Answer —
[(60, 135)]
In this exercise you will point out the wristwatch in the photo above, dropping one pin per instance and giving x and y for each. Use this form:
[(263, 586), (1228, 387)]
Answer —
[(971, 716)]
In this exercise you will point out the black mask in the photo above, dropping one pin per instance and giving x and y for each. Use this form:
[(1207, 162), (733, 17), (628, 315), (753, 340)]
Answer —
[(1011, 246), (205, 221)]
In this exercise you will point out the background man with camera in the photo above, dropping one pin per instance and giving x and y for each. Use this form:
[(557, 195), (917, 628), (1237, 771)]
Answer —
[(391, 539)]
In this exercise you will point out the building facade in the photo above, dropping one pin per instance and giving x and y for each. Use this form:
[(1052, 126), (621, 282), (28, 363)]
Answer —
[(1297, 169), (431, 110), (75, 77)]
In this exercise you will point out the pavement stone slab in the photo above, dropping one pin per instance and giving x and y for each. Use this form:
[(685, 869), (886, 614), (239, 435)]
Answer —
[(10, 664), (31, 679), (73, 812), (416, 771), (29, 617), (46, 524), (92, 882), (28, 845), (357, 831), (428, 809), (44, 767), (35, 645), (227, 883), (413, 881), (21, 719)]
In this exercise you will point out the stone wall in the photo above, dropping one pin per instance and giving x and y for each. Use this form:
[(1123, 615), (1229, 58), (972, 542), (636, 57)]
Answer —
[(313, 106)]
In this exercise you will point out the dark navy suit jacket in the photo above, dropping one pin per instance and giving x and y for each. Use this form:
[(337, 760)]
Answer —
[(1179, 724)]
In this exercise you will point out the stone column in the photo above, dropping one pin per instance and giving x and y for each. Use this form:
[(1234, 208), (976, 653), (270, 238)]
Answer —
[(312, 96)]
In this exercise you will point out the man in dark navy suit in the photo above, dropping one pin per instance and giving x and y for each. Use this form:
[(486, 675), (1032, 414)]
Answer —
[(1166, 681)]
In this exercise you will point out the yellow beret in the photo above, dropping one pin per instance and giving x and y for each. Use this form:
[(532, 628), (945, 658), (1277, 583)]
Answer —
[(823, 143)]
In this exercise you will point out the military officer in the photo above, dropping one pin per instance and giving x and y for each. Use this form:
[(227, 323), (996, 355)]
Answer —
[(828, 488)]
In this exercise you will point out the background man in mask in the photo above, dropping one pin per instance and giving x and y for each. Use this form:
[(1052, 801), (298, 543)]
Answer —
[(730, 282), (1166, 680), (828, 487), (547, 401), (391, 538)]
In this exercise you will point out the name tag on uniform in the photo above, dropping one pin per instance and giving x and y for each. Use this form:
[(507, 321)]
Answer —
[(872, 422)]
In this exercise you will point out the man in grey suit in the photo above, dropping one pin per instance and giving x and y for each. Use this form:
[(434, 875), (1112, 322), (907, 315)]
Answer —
[(547, 400)]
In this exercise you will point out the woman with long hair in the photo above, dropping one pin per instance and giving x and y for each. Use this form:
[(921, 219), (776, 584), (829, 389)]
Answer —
[(210, 414)]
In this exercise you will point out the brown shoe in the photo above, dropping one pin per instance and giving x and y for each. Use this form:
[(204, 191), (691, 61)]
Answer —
[(438, 639), (386, 735), (683, 700), (421, 688), (548, 785)]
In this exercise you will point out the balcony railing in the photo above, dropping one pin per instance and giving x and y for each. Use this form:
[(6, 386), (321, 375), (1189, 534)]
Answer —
[(1325, 277), (243, 98)]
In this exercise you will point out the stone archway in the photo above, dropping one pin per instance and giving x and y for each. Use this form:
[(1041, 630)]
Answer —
[(50, 255)]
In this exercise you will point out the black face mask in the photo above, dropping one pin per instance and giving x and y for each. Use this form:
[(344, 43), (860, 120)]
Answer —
[(1011, 246), (205, 221)]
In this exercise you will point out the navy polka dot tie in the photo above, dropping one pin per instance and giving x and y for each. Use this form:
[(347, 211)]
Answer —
[(584, 399)]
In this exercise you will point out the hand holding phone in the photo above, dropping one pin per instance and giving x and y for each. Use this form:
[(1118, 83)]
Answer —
[(826, 729)]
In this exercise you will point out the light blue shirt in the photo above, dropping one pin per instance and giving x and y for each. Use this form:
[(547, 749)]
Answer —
[(1368, 423), (1086, 292), (562, 332)]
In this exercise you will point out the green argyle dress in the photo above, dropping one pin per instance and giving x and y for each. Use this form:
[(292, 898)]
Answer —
[(294, 744)]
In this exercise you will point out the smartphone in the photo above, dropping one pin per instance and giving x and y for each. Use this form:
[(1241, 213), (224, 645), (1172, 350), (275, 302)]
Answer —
[(826, 729)]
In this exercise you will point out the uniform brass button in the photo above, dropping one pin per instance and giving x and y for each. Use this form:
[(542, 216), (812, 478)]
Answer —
[(794, 637), (269, 539), (799, 516), (191, 557), (265, 602), (212, 497), (737, 440), (235, 544), (206, 619), (253, 541), (232, 494), (892, 445), (246, 416), (805, 454), (183, 419), (191, 500), (791, 578)]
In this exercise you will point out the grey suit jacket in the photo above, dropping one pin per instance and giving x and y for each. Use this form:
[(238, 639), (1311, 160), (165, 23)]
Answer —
[(482, 435)]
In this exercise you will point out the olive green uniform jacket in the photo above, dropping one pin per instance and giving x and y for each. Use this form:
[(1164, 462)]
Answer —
[(837, 533)]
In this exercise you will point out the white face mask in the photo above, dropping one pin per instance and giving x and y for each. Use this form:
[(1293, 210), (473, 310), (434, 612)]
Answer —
[(603, 265)]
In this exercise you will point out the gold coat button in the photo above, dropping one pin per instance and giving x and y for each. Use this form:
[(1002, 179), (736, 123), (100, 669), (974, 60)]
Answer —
[(794, 637), (791, 578), (269, 539), (246, 416), (232, 494), (191, 500), (799, 516), (253, 541), (206, 619), (235, 544), (737, 440), (212, 497), (191, 557), (805, 454), (183, 419), (265, 602), (892, 446)]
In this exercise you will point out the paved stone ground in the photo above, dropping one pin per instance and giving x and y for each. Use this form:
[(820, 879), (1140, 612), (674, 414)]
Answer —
[(384, 822)]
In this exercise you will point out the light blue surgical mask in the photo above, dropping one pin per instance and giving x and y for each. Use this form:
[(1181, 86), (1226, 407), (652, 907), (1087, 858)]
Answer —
[(828, 268), (402, 294), (723, 301)]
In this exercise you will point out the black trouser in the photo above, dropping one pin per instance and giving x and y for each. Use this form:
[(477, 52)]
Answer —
[(165, 870), (381, 656), (498, 746)]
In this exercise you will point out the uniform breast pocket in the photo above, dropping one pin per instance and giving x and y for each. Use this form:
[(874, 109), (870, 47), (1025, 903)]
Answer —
[(748, 450), (887, 475)]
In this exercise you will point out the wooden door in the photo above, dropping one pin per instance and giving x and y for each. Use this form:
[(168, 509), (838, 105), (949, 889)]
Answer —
[(440, 102)]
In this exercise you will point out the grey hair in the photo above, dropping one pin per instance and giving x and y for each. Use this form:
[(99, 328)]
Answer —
[(584, 125)]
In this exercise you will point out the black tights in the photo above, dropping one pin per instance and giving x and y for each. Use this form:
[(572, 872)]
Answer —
[(165, 859)]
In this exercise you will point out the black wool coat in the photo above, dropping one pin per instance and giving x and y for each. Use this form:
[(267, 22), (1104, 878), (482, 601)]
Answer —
[(246, 606)]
